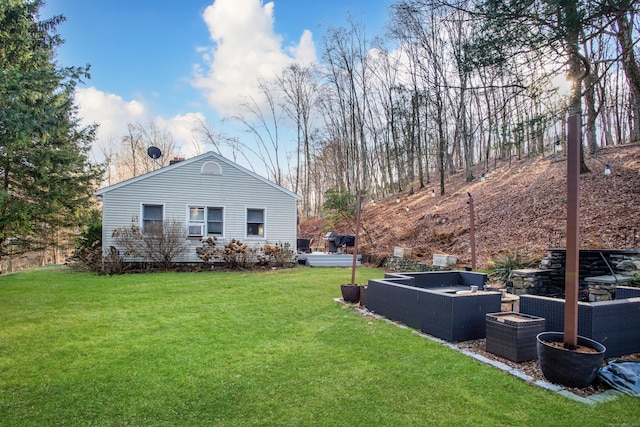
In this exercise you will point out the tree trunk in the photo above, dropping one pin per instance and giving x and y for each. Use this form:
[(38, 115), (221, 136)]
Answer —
[(630, 64)]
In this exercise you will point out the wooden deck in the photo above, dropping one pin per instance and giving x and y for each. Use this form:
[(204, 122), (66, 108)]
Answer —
[(324, 259)]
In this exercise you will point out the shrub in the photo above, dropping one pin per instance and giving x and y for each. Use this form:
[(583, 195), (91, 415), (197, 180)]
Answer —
[(87, 258), (87, 254), (113, 263), (279, 255), (158, 247), (509, 261), (91, 231), (233, 255), (208, 252)]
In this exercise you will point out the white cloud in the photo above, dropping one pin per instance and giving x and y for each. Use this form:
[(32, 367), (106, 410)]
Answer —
[(245, 49), (112, 113), (305, 51), (181, 127)]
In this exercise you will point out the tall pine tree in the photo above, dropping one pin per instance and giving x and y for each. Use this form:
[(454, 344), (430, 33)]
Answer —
[(46, 179)]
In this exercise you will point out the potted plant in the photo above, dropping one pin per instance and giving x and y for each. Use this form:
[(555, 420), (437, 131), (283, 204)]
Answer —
[(351, 292), (575, 366), (567, 358)]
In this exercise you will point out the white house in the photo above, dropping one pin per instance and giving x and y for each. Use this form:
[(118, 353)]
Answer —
[(211, 195)]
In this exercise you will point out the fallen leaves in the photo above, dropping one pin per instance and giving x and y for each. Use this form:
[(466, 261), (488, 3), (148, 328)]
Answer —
[(521, 205)]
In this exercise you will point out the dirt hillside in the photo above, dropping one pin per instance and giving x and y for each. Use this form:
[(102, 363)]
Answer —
[(521, 205)]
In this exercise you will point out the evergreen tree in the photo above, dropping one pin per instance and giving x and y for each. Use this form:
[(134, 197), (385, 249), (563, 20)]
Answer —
[(46, 180)]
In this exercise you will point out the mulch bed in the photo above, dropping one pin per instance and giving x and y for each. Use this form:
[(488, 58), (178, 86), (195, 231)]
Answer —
[(532, 367)]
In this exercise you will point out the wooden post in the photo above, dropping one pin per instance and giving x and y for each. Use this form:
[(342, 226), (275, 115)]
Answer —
[(355, 243), (472, 232), (573, 232)]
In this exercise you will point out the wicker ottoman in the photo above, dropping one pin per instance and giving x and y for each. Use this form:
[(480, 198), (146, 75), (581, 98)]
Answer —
[(513, 335)]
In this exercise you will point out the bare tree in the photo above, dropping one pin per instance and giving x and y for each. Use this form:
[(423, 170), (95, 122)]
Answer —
[(262, 120), (625, 13), (130, 159), (300, 88), (469, 82), (345, 51)]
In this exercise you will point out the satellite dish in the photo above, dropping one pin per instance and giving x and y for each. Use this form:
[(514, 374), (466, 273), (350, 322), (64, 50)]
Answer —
[(154, 152)]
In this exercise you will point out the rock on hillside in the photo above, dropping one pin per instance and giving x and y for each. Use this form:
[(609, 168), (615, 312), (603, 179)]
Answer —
[(520, 206)]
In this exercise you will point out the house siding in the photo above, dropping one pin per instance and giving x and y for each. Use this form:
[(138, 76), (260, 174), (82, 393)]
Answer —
[(182, 186)]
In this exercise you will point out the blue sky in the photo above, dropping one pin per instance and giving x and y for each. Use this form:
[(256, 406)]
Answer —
[(173, 61)]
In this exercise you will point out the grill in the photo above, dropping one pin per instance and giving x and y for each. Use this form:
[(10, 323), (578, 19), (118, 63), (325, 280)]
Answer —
[(330, 239), (334, 241)]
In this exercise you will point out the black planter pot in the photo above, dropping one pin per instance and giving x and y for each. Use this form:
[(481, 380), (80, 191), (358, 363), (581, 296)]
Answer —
[(350, 293), (570, 368)]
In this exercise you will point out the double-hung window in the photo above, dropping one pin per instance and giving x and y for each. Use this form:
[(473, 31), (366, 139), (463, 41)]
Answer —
[(152, 218), (206, 221), (255, 222), (215, 222)]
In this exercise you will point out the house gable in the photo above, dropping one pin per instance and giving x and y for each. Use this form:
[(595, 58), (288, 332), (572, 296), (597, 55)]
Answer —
[(208, 168)]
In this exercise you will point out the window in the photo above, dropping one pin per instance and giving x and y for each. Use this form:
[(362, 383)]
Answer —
[(152, 217), (196, 221), (213, 225), (255, 222), (214, 221)]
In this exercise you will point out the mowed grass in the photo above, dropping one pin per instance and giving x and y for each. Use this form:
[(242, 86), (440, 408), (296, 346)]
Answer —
[(236, 349)]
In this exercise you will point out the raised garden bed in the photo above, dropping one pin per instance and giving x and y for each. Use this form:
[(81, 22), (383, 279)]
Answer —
[(430, 302), (615, 324)]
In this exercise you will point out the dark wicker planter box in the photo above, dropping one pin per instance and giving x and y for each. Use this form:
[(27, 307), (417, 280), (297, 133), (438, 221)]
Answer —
[(431, 303), (615, 324), (363, 296), (513, 335)]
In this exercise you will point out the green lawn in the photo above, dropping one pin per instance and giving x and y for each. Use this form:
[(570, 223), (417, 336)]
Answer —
[(236, 349)]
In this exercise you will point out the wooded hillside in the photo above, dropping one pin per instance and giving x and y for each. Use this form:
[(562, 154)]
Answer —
[(521, 205)]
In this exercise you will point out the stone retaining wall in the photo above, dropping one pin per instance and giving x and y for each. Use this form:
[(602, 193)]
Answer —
[(549, 279), (533, 281), (405, 264)]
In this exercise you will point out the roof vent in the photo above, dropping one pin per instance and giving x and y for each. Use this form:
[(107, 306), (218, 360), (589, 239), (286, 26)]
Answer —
[(211, 168)]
